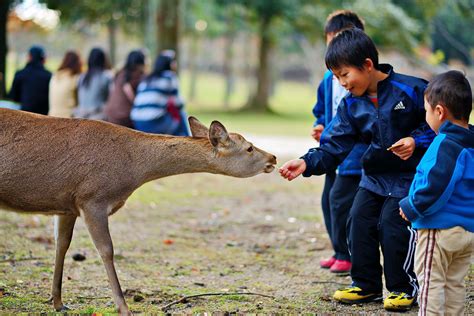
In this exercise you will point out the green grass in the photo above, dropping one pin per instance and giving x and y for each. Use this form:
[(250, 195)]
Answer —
[(291, 104)]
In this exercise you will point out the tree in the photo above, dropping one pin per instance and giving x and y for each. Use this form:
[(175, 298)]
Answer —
[(4, 9), (450, 33), (264, 15), (168, 24), (127, 14)]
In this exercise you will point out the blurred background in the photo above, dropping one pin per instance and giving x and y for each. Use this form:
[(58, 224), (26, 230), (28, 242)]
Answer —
[(254, 64)]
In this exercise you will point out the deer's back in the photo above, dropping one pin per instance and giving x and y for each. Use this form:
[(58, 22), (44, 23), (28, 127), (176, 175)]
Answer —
[(49, 163)]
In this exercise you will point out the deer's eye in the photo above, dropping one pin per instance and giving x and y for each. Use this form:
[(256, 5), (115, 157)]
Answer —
[(250, 149)]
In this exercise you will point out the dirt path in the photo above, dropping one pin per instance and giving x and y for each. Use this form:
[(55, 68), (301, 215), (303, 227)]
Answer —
[(186, 235)]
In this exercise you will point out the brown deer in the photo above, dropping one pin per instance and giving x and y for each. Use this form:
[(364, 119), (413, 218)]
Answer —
[(77, 167)]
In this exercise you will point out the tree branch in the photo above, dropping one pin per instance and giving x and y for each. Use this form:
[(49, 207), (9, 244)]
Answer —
[(184, 299)]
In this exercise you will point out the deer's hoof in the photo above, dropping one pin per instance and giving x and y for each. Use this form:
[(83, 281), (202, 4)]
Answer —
[(63, 308)]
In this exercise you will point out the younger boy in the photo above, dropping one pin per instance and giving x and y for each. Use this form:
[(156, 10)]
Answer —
[(440, 203), (385, 110), (339, 190)]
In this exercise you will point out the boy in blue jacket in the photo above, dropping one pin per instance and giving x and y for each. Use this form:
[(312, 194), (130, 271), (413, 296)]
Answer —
[(339, 190), (385, 110), (440, 204)]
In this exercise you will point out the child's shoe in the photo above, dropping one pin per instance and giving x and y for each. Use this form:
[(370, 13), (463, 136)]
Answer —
[(399, 301), (355, 295), (341, 267), (327, 263)]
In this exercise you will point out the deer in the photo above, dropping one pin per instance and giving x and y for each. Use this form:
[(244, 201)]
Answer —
[(73, 168)]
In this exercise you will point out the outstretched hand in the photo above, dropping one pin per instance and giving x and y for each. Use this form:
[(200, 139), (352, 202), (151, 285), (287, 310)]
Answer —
[(403, 148), (317, 131), (292, 169)]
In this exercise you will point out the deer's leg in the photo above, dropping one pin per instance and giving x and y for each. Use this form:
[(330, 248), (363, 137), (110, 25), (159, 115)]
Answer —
[(63, 228), (96, 220)]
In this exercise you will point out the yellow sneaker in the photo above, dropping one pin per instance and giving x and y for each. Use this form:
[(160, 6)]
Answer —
[(399, 301), (355, 295)]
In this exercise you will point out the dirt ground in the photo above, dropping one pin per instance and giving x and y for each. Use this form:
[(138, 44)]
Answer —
[(185, 235)]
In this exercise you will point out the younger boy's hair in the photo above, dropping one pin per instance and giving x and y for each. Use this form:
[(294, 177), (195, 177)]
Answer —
[(351, 47), (452, 90), (341, 20)]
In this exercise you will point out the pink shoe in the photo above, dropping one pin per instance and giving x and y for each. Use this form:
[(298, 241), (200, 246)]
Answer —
[(327, 263), (341, 266)]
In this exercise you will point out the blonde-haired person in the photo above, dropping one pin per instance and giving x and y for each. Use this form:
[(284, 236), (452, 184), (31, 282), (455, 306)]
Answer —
[(63, 86)]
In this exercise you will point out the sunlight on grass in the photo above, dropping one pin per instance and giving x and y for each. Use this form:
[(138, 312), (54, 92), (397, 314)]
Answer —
[(292, 104)]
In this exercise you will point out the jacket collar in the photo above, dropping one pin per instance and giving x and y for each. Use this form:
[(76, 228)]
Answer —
[(386, 69), (458, 133)]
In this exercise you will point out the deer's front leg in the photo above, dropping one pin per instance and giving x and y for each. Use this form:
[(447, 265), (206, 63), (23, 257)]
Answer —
[(96, 220), (63, 229)]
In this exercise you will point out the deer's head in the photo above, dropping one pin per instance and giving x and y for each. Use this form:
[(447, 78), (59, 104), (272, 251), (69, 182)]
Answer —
[(234, 155)]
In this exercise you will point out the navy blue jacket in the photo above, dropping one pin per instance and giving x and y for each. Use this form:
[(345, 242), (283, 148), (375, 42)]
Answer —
[(30, 88), (442, 193), (400, 114), (322, 110)]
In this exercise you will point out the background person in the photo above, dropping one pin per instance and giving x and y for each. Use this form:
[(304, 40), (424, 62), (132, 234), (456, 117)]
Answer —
[(339, 189), (158, 106), (63, 86), (93, 87), (118, 106), (30, 87)]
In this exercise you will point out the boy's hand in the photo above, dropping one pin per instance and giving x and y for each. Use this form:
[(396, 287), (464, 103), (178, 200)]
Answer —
[(404, 148), (317, 131), (292, 169), (403, 215)]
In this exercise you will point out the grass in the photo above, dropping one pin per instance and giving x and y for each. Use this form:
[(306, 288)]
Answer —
[(291, 104)]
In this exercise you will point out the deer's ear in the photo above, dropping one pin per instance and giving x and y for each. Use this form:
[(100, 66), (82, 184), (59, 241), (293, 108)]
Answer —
[(218, 134), (197, 128)]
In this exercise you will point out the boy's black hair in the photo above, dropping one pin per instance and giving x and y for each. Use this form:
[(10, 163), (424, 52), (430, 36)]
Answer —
[(342, 20), (452, 90), (351, 47)]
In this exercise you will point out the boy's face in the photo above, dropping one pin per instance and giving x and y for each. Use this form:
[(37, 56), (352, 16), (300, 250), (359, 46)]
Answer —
[(434, 116), (353, 79)]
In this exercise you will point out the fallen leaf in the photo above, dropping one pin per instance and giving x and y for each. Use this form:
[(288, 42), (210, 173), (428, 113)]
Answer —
[(168, 241)]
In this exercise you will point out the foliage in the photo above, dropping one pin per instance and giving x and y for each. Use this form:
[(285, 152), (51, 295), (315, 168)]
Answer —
[(452, 32), (128, 13)]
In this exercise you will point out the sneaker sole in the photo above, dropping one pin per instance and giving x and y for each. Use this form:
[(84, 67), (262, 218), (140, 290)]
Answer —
[(362, 300), (399, 308)]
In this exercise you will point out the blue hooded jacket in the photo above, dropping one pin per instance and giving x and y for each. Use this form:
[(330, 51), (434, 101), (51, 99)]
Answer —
[(442, 192), (322, 110), (400, 114)]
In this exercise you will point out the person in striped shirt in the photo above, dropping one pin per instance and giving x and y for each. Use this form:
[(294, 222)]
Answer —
[(158, 107)]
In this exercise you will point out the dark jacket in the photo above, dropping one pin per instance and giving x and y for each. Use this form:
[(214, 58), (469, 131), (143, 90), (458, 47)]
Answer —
[(322, 110), (30, 88), (442, 193), (400, 114)]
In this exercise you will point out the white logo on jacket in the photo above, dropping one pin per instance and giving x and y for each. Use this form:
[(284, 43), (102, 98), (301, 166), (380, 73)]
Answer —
[(399, 106)]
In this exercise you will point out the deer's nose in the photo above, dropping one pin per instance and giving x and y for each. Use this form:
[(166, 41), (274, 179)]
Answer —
[(274, 159)]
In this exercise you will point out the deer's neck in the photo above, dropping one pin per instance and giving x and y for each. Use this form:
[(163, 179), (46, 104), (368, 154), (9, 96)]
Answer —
[(166, 156)]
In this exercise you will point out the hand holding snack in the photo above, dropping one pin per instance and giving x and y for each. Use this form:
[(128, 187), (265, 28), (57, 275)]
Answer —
[(403, 148)]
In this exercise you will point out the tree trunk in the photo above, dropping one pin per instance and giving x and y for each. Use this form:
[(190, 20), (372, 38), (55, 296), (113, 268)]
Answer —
[(112, 32), (194, 65), (228, 69), (259, 101), (4, 9), (168, 25), (151, 28)]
